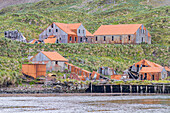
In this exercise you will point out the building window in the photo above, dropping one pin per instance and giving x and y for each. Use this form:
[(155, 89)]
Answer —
[(56, 62), (60, 38), (70, 38), (75, 38), (52, 26), (96, 38), (142, 39), (112, 38), (57, 41), (56, 30), (79, 30), (86, 39), (49, 30), (129, 37), (104, 38), (120, 38), (81, 39)]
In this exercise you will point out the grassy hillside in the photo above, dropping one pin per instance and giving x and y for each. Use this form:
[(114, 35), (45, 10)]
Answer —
[(86, 56), (6, 3), (32, 18)]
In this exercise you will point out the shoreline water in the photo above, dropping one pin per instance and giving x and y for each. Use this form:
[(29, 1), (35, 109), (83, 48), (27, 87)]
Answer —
[(77, 94)]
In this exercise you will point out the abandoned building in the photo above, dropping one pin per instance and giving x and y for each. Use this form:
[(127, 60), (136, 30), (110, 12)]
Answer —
[(81, 74), (122, 34), (53, 60), (15, 35), (34, 70), (66, 33), (168, 70), (106, 71), (146, 70)]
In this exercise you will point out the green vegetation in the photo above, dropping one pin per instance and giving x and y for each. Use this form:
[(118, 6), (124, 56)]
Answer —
[(86, 56), (32, 18)]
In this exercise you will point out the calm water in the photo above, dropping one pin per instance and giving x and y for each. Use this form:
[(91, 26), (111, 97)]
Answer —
[(83, 104)]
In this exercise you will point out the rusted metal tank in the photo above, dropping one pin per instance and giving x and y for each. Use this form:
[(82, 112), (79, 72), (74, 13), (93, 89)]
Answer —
[(34, 70)]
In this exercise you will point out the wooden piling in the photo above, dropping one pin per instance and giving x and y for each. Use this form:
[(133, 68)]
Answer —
[(155, 87), (163, 88), (141, 89), (121, 88), (146, 89), (91, 88), (104, 89), (111, 88), (130, 88)]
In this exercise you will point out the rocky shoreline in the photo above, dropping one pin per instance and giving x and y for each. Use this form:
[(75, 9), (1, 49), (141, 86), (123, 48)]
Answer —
[(41, 88)]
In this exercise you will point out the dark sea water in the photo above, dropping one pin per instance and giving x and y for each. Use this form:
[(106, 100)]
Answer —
[(84, 104)]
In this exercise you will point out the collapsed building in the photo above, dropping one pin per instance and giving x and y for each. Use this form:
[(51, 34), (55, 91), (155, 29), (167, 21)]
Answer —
[(146, 70), (81, 74), (15, 35)]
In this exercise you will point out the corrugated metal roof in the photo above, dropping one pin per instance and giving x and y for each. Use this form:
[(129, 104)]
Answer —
[(122, 29), (151, 70), (54, 56), (50, 40)]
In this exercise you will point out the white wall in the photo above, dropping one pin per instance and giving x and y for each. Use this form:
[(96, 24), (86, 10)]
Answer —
[(60, 34), (81, 28)]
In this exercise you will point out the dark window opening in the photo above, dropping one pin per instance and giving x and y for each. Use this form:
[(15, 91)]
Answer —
[(60, 38), (137, 68), (86, 39), (104, 38), (75, 38), (142, 39), (70, 39), (145, 76), (112, 38), (96, 38), (5, 33), (79, 30), (57, 41), (141, 77), (153, 77), (81, 39), (56, 30), (143, 66), (120, 38), (129, 37), (56, 62), (52, 26), (49, 30)]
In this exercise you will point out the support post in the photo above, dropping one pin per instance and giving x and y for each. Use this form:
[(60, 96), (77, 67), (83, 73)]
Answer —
[(146, 89), (121, 88), (137, 88), (141, 89), (163, 88), (104, 89), (130, 88), (111, 88), (91, 88)]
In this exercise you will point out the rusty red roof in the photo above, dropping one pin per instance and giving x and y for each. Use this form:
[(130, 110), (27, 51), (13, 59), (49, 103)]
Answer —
[(122, 29), (54, 56), (151, 70)]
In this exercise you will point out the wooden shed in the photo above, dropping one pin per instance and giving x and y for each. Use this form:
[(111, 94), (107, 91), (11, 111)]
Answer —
[(34, 70)]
